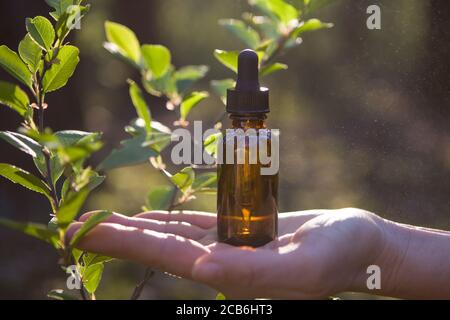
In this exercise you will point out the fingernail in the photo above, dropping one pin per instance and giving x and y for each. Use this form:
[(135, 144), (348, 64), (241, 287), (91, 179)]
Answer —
[(207, 271)]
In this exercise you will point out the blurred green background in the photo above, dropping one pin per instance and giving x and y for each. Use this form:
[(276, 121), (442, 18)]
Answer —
[(364, 118)]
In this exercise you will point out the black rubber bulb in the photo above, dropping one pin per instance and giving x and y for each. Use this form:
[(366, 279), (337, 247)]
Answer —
[(248, 97), (248, 74)]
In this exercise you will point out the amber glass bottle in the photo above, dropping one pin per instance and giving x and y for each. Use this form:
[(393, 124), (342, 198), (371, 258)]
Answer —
[(247, 199)]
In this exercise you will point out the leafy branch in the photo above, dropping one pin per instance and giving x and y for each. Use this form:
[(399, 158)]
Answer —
[(44, 63), (276, 28)]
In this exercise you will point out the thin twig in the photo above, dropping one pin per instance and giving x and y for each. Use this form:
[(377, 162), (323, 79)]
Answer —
[(41, 115), (140, 287), (173, 199), (41, 105), (50, 180), (282, 41), (83, 293), (149, 271)]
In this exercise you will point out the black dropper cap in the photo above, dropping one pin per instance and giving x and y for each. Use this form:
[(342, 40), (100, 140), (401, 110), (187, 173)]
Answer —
[(248, 97)]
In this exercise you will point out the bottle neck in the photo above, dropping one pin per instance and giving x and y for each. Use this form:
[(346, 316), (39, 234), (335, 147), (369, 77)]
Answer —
[(249, 121)]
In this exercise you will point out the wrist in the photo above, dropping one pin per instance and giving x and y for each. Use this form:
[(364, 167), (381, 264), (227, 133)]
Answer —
[(413, 263), (417, 262), (396, 248), (383, 260)]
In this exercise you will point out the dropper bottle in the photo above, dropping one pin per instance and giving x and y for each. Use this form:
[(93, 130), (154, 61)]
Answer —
[(247, 199)]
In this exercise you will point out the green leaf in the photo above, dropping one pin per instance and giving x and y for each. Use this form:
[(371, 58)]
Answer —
[(270, 29), (57, 169), (70, 146), (41, 31), (118, 53), (184, 179), (220, 87), (65, 188), (92, 276), (191, 101), (137, 127), (311, 25), (10, 61), (95, 181), (24, 178), (72, 137), (52, 225), (23, 143), (313, 5), (69, 19), (166, 85), (205, 180), (70, 208), (228, 58), (157, 58), (58, 74), (278, 9), (141, 106), (42, 138), (187, 75), (60, 5), (78, 153), (87, 178), (88, 225), (271, 68), (38, 231), (221, 296), (125, 40), (245, 33), (59, 294), (158, 141), (211, 143), (14, 97), (89, 259), (34, 149), (30, 52), (132, 152), (159, 198)]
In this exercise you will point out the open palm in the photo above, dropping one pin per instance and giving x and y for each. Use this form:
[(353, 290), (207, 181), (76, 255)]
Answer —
[(318, 252)]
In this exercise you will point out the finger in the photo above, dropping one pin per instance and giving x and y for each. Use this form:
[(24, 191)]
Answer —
[(289, 222), (201, 219), (183, 229), (167, 252)]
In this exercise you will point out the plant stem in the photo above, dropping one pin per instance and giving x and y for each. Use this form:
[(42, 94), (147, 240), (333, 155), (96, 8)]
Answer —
[(50, 181), (41, 116), (140, 287), (282, 41), (84, 295), (83, 292), (149, 271), (173, 199), (48, 175)]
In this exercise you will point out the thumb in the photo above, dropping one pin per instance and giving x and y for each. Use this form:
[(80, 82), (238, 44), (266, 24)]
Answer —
[(244, 268)]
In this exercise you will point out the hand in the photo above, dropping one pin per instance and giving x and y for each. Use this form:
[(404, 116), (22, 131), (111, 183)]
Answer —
[(318, 253)]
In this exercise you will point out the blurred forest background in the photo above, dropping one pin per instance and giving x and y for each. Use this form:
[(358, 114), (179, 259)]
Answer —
[(364, 117)]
